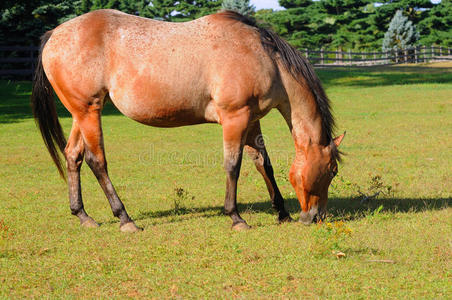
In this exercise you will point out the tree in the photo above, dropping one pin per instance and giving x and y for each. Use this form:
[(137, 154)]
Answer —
[(415, 10), (127, 6), (359, 24), (294, 23), (314, 24), (294, 3), (436, 28), (241, 6), (177, 11), (401, 33), (344, 23), (23, 22)]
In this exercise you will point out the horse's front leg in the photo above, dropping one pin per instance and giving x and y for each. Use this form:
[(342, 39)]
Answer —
[(234, 135), (255, 147)]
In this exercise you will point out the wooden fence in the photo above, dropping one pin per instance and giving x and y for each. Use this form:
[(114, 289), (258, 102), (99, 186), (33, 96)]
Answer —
[(18, 62), (348, 58)]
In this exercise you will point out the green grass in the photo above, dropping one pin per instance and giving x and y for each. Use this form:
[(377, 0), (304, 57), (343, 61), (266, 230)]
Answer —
[(399, 133)]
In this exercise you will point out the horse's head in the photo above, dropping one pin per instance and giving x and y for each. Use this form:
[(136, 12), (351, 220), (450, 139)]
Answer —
[(311, 175)]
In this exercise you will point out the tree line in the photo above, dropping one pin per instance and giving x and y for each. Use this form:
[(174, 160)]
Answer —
[(336, 24)]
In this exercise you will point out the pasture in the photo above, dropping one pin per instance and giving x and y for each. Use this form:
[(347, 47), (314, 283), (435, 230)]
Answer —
[(389, 207)]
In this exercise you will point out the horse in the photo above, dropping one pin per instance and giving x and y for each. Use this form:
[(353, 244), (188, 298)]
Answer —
[(222, 68)]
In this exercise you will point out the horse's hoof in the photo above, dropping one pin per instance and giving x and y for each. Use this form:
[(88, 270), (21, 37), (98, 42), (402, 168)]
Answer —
[(286, 219), (90, 223), (130, 228), (240, 226)]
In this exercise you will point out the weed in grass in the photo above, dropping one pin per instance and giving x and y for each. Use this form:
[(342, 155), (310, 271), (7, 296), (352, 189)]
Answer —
[(179, 198), (376, 188), (329, 238), (372, 190), (5, 232), (5, 236)]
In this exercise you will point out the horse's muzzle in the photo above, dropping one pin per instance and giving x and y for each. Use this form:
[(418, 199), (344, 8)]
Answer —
[(314, 215)]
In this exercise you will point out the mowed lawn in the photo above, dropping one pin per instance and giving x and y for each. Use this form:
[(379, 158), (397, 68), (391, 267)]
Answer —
[(389, 210)]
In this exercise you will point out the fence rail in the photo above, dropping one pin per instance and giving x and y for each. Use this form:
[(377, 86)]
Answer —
[(345, 58), (20, 61)]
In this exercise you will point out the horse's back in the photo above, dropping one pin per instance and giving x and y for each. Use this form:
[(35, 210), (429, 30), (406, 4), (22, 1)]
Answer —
[(159, 73)]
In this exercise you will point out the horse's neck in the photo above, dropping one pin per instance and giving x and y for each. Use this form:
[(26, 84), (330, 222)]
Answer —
[(300, 111)]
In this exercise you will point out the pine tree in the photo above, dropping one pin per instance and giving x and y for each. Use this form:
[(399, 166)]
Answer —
[(23, 22), (177, 11), (415, 10), (436, 28), (127, 6), (401, 33), (241, 6), (343, 23), (294, 23)]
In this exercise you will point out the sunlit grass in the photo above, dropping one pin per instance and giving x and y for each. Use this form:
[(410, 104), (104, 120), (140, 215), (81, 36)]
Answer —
[(397, 244)]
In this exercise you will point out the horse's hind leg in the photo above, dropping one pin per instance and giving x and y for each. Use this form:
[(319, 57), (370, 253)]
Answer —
[(255, 148), (74, 152), (234, 134), (90, 126)]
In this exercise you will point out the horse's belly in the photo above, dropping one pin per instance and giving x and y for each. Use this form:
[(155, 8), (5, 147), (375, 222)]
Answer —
[(169, 117), (165, 112)]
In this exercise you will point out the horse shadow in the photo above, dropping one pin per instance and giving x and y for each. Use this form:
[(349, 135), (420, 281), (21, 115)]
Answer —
[(339, 208)]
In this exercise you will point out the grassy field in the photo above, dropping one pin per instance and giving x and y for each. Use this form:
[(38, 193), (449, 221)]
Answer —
[(397, 244)]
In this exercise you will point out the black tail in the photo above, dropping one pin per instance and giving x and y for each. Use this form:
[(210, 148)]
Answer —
[(44, 111)]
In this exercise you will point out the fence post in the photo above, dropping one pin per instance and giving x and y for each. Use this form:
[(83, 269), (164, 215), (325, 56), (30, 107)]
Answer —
[(406, 55), (433, 52), (350, 56), (322, 62), (424, 50), (440, 51), (307, 52), (415, 55)]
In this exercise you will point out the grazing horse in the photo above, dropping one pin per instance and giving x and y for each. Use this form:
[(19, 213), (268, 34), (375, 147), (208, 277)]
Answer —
[(221, 68)]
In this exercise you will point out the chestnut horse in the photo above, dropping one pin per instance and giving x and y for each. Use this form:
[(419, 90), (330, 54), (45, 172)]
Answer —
[(221, 68)]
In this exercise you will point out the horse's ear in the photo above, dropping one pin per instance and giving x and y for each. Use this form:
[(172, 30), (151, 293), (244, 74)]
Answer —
[(338, 140)]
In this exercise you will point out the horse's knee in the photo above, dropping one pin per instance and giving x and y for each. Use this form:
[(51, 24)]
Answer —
[(74, 159), (232, 162)]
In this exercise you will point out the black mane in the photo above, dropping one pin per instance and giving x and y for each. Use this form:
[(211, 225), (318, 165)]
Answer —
[(297, 65)]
